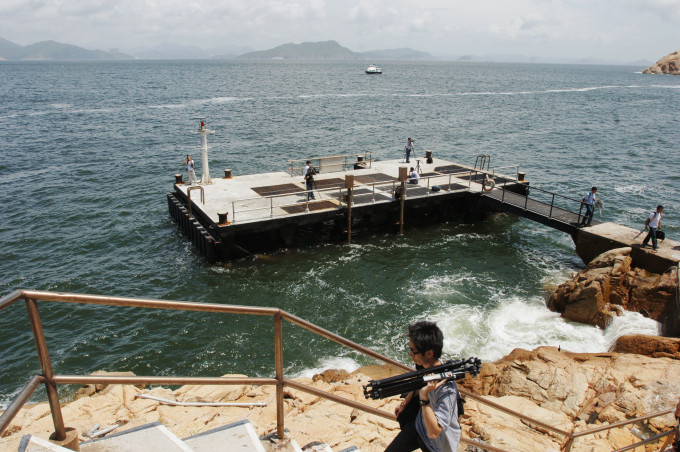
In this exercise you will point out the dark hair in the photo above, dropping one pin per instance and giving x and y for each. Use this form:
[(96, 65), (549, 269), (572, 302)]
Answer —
[(427, 336), (308, 162), (593, 189), (659, 207)]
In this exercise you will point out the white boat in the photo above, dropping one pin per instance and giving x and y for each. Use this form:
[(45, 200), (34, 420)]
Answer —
[(373, 69)]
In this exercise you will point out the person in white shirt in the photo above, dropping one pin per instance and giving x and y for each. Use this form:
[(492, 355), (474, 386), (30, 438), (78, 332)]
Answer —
[(653, 223), (408, 148), (413, 177), (190, 170), (589, 201)]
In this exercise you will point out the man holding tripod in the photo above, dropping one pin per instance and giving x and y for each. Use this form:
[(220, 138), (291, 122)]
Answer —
[(428, 417)]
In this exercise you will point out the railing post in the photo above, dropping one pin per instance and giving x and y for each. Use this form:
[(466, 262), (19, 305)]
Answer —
[(46, 365), (278, 358), (505, 181), (552, 203), (526, 201), (233, 212), (271, 206), (449, 189)]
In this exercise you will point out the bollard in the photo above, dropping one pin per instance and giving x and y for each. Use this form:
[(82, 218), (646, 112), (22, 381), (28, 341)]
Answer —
[(428, 156), (520, 176), (222, 217), (178, 179), (227, 173), (71, 440)]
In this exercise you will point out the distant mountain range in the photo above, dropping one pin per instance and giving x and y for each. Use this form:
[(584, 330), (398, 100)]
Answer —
[(328, 50), (52, 50), (323, 51)]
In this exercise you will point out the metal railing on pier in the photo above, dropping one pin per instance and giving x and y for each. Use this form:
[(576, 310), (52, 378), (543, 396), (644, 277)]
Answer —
[(51, 380), (332, 163)]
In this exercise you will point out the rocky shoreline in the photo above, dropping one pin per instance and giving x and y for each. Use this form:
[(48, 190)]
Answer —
[(571, 391), (670, 64)]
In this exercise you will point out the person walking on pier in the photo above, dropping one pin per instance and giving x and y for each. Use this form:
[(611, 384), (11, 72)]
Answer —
[(408, 148), (653, 223), (190, 170), (428, 417), (308, 175), (589, 201)]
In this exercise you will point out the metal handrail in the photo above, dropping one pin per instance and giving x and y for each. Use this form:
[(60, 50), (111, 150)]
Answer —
[(297, 170), (280, 381)]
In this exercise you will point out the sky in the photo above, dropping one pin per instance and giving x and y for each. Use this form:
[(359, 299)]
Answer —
[(617, 31)]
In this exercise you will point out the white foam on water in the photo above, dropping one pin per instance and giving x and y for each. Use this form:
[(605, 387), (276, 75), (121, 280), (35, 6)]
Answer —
[(333, 362), (515, 323), (632, 188)]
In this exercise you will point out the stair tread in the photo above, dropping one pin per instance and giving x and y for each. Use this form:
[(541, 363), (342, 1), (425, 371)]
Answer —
[(153, 437), (236, 437)]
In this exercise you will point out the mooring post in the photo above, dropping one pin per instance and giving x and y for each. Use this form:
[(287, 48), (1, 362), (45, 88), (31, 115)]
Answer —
[(403, 172), (349, 184)]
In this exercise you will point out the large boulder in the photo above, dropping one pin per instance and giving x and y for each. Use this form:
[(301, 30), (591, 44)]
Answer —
[(670, 64), (608, 285), (654, 346)]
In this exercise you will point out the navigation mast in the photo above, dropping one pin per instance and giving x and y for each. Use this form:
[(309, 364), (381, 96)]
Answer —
[(205, 171)]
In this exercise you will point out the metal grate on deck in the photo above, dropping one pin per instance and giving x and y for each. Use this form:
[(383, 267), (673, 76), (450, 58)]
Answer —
[(277, 189), (313, 206)]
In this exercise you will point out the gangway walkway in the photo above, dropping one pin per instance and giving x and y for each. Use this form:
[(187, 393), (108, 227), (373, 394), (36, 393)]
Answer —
[(545, 212)]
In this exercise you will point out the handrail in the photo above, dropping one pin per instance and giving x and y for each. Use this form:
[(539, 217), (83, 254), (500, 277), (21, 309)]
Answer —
[(280, 381), (367, 157)]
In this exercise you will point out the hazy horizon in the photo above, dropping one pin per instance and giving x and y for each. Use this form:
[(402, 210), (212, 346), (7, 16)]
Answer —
[(622, 31)]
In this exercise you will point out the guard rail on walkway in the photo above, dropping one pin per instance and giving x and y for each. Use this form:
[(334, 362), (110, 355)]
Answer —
[(547, 207), (51, 380)]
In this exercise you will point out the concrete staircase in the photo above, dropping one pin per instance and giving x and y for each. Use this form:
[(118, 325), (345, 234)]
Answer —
[(154, 437)]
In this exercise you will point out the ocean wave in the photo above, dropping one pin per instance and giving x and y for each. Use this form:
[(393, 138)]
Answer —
[(333, 362), (493, 334)]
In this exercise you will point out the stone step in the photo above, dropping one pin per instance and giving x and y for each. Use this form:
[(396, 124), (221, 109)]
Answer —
[(153, 437), (30, 443), (236, 437)]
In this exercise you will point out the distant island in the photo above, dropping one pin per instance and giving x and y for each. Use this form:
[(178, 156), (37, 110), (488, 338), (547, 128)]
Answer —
[(52, 50), (331, 50), (670, 64)]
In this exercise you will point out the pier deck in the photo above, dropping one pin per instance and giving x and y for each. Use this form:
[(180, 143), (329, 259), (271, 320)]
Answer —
[(260, 197)]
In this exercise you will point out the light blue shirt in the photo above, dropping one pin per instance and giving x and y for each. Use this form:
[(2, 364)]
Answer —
[(589, 198), (444, 402)]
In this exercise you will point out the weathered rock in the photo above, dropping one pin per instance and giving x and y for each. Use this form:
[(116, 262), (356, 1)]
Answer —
[(670, 64), (654, 346), (608, 284)]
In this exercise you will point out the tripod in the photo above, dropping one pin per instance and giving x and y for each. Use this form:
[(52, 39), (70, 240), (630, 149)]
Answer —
[(418, 170)]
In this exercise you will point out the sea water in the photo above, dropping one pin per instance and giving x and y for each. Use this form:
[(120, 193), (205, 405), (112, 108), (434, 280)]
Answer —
[(89, 150)]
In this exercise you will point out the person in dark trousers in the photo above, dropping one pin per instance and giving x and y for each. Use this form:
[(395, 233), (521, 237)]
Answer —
[(653, 223), (408, 148), (428, 417), (589, 201), (308, 175)]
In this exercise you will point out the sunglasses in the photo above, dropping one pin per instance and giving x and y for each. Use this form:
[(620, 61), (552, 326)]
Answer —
[(413, 351)]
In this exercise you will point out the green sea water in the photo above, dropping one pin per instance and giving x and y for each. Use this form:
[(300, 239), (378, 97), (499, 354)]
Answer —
[(89, 151)]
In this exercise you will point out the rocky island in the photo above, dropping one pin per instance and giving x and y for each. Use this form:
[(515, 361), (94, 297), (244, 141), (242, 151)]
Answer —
[(670, 64)]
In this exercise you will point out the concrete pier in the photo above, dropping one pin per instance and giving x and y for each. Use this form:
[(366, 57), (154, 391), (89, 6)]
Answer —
[(245, 214), (240, 215)]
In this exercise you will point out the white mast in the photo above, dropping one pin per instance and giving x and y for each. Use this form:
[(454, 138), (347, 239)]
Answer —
[(205, 171)]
